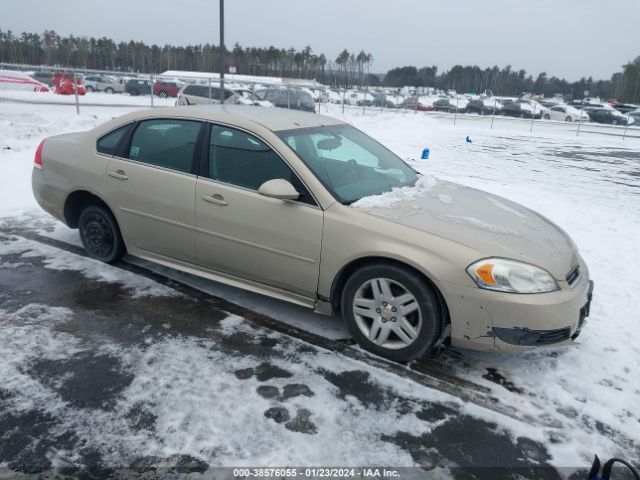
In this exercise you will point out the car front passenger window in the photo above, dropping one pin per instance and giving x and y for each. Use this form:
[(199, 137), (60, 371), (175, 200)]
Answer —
[(241, 159)]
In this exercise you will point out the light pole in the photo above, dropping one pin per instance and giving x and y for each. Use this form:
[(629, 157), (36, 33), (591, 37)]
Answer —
[(221, 51)]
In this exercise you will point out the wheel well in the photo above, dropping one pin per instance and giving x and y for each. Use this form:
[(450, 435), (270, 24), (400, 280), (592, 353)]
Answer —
[(76, 202), (349, 269)]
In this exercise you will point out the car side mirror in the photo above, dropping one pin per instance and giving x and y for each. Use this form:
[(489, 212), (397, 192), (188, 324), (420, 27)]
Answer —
[(278, 188)]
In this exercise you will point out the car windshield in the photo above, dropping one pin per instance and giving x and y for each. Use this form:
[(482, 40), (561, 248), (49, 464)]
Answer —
[(350, 164)]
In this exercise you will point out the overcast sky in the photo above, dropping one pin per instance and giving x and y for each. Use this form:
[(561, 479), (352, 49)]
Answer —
[(566, 38)]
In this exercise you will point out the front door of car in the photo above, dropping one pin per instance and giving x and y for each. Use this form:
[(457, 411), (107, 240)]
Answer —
[(152, 187), (242, 233)]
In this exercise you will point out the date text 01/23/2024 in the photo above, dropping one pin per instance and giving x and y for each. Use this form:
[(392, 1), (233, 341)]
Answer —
[(315, 472)]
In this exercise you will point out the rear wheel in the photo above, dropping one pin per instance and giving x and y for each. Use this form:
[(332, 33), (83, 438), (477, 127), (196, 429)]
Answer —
[(89, 88), (392, 312), (100, 234), (568, 119), (162, 94), (108, 90), (614, 122), (547, 116)]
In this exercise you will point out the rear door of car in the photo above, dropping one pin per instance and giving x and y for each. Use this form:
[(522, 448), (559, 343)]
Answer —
[(242, 233), (151, 185)]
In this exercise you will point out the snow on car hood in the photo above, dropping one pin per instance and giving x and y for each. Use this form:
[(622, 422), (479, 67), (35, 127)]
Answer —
[(490, 224)]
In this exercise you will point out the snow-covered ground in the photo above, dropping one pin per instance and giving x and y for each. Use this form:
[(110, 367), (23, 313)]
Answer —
[(579, 400)]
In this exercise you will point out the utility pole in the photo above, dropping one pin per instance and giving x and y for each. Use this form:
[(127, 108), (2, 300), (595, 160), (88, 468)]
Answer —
[(221, 51)]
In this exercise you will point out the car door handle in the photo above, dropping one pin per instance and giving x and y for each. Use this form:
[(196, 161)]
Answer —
[(119, 174), (216, 199)]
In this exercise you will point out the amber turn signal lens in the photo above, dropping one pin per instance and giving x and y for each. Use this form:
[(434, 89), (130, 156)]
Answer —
[(485, 272)]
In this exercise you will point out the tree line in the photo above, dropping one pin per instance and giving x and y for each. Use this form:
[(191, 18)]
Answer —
[(49, 48), (346, 70), (624, 86)]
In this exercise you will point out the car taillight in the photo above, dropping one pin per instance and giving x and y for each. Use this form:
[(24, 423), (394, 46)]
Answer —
[(37, 161)]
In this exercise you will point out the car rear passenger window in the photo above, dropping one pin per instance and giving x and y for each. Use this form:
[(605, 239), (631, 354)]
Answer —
[(165, 143), (109, 143)]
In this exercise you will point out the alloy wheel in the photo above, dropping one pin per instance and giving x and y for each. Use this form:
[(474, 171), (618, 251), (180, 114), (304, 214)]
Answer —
[(387, 313)]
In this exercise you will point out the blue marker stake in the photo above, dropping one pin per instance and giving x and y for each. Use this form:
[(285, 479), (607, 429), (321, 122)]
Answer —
[(425, 154)]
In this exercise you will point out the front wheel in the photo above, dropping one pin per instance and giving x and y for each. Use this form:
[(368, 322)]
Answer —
[(100, 234), (568, 119), (547, 116), (392, 312)]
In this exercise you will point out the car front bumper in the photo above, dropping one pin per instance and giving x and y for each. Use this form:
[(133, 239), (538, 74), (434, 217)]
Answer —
[(488, 320)]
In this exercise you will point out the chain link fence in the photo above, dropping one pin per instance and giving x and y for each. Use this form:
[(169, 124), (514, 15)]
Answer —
[(24, 89)]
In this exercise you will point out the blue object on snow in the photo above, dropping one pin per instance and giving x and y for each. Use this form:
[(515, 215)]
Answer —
[(469, 139), (425, 154)]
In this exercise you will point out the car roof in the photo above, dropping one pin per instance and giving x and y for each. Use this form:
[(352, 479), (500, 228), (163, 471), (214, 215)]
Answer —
[(274, 119)]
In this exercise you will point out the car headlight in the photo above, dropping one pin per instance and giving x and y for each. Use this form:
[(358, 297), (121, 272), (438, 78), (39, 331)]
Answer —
[(512, 276)]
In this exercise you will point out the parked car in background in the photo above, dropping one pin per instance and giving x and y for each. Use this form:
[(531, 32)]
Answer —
[(635, 115), (103, 83), (625, 107), (422, 103), (292, 98), (448, 105), (247, 97), (565, 113), (15, 80), (199, 94), (63, 83), (522, 109), (361, 99), (335, 97), (137, 86), (270, 201), (484, 106), (164, 89), (43, 76), (610, 116)]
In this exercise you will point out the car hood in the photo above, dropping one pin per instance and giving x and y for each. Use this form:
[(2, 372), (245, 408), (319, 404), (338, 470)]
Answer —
[(484, 222)]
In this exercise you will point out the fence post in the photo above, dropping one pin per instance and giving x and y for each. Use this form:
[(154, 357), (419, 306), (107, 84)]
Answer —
[(417, 99), (288, 97), (626, 125), (364, 102), (533, 116), (209, 89), (151, 91), (319, 98), (455, 115), (75, 92), (495, 104), (580, 119), (343, 98)]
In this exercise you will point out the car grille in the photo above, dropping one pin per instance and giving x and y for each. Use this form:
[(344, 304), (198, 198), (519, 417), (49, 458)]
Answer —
[(573, 276)]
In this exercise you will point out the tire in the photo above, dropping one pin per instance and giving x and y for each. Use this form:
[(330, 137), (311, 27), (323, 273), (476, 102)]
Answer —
[(614, 122), (100, 234), (568, 119), (163, 94), (90, 89), (399, 338), (108, 90), (547, 116), (134, 93)]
